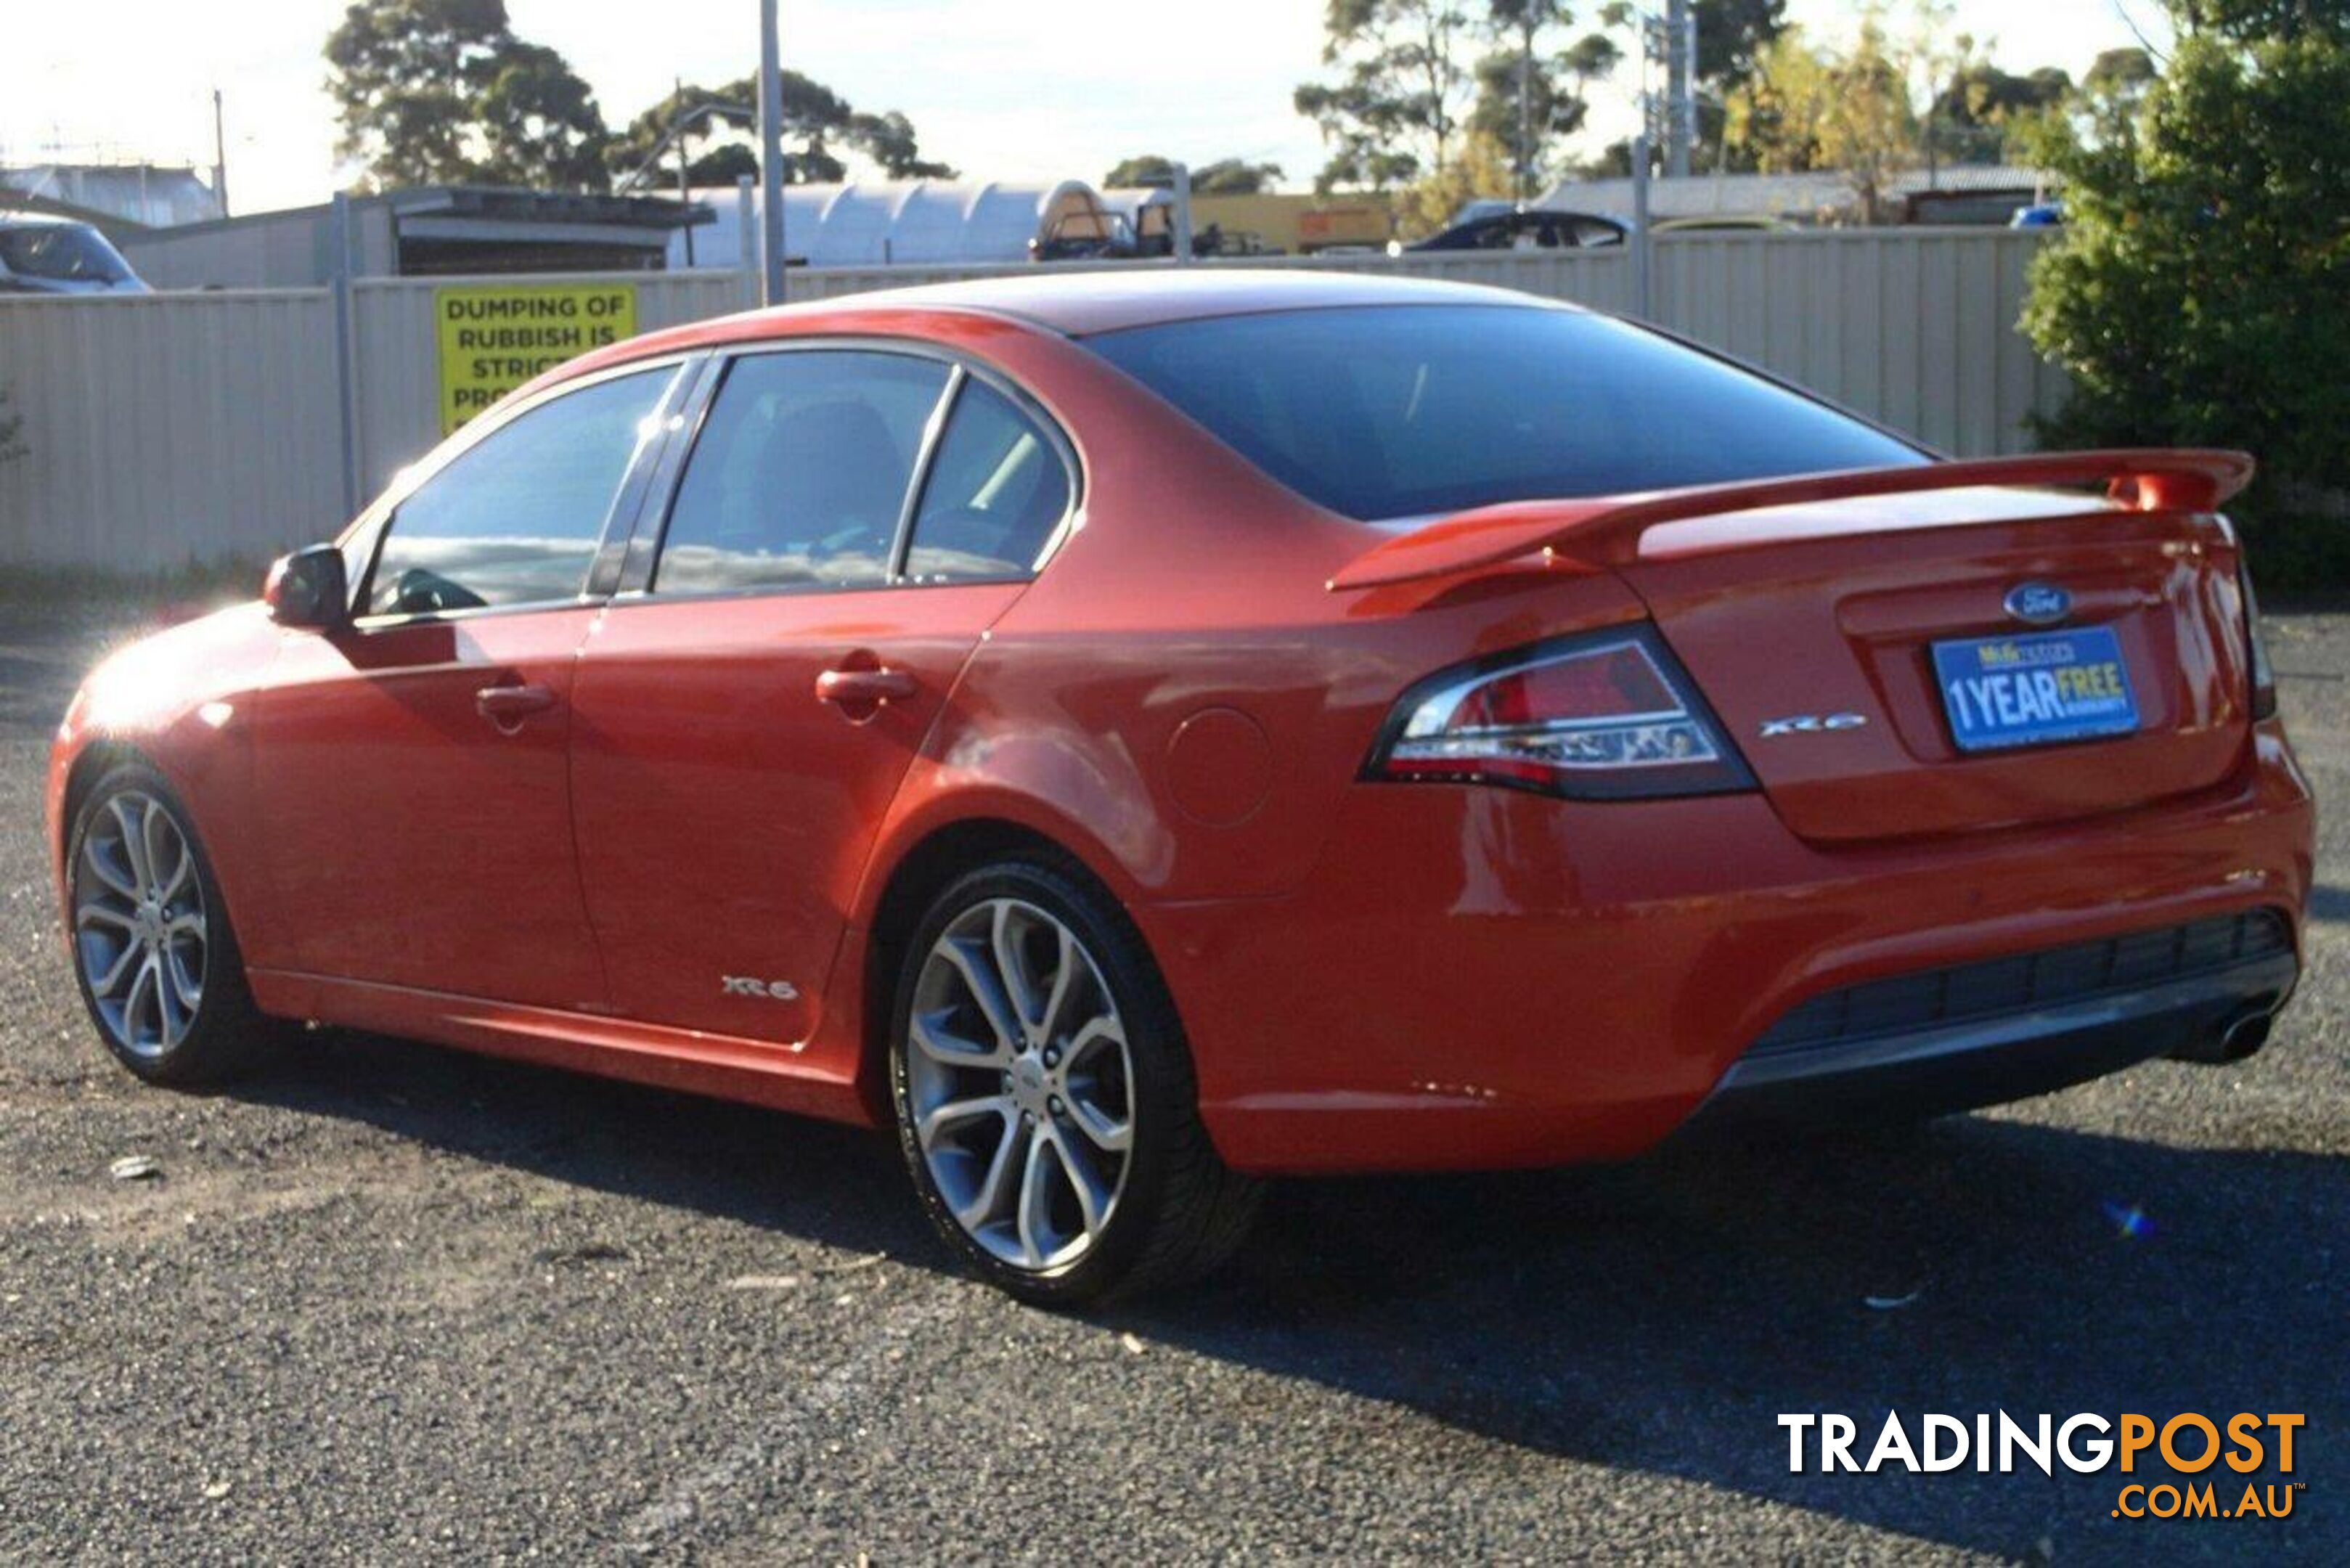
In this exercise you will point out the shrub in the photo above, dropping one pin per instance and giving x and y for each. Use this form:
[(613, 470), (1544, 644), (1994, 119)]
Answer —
[(2201, 293)]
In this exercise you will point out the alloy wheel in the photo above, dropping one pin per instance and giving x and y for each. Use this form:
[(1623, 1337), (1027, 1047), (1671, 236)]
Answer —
[(1020, 1085), (138, 924)]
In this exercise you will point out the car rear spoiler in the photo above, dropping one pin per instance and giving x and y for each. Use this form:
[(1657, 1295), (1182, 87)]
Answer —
[(1597, 531)]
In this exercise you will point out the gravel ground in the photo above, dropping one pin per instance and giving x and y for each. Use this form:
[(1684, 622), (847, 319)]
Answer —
[(391, 1303)]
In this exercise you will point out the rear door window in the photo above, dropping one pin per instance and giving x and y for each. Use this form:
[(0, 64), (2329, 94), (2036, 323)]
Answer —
[(996, 493), (799, 476)]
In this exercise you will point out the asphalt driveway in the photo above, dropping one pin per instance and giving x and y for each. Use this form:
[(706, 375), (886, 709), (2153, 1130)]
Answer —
[(391, 1303)]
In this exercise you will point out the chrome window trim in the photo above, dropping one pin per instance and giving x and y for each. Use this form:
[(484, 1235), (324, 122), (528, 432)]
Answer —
[(917, 482), (643, 570)]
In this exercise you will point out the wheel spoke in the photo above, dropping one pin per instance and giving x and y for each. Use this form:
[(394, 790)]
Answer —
[(146, 987), (184, 867), (1100, 1031), (132, 825), (170, 1018), (95, 913), (186, 985), (115, 880), (1011, 962), (1035, 1213), (1112, 1134), (1085, 1180), (986, 989), (961, 1112), (987, 1203), (951, 1050), (1065, 976), (155, 836), (110, 982)]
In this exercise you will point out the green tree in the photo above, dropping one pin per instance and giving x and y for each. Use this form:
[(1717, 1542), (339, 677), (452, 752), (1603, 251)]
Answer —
[(2200, 291), (1980, 105), (1532, 92), (1225, 177), (539, 123), (443, 92), (2119, 75), (1731, 36), (1810, 108), (819, 125), (405, 76), (889, 140), (1142, 168), (1402, 90)]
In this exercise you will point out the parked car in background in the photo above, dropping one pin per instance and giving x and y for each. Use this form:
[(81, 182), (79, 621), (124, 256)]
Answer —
[(1135, 732), (2039, 215), (44, 255), (1712, 223), (1526, 228)]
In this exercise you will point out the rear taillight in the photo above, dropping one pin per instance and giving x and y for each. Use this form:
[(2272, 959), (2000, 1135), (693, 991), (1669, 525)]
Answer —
[(2264, 701), (1607, 716)]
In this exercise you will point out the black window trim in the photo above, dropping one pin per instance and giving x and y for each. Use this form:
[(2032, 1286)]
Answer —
[(641, 574), (620, 519)]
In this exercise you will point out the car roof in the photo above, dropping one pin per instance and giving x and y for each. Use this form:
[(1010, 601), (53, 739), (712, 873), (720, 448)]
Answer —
[(1079, 303)]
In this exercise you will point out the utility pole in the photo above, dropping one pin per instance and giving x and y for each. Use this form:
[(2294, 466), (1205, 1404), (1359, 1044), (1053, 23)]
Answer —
[(220, 156), (1182, 214), (771, 154), (684, 181), (1680, 86), (1526, 107)]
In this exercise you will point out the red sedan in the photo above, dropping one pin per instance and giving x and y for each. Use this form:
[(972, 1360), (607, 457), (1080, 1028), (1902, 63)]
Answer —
[(1141, 733)]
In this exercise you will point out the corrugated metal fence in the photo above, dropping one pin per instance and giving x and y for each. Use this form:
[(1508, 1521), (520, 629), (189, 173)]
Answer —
[(176, 426)]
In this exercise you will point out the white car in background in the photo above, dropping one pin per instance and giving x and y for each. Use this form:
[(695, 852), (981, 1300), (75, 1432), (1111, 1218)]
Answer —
[(41, 254)]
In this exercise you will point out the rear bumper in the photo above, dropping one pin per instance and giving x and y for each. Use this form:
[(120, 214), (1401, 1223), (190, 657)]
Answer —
[(1480, 979), (1996, 1057)]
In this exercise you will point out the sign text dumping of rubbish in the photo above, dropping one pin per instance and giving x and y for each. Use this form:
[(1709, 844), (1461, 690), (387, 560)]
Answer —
[(495, 336)]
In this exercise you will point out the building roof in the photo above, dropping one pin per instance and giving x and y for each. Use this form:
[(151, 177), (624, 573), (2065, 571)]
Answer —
[(1778, 195), (882, 223), (142, 194), (491, 205)]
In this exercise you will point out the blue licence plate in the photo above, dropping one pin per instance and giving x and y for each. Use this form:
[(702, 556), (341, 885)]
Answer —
[(2033, 690)]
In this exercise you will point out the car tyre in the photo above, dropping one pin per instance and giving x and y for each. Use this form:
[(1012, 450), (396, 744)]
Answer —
[(1044, 1096), (155, 956)]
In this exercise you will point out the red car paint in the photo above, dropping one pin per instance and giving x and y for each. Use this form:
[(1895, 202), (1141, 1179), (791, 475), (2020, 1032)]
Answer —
[(1371, 974)]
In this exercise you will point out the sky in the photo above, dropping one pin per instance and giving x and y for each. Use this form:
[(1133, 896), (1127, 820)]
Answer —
[(1035, 91)]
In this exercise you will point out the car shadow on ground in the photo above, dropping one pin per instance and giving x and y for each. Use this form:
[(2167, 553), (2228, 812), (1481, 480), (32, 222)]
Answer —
[(1656, 1318)]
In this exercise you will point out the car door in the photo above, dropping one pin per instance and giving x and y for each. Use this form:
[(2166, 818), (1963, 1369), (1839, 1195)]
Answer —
[(847, 524), (414, 766)]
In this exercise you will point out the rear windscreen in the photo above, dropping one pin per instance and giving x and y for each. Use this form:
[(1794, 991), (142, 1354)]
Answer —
[(1388, 411)]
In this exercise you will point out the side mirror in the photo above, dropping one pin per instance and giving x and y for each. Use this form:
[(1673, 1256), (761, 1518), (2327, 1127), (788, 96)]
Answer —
[(308, 588)]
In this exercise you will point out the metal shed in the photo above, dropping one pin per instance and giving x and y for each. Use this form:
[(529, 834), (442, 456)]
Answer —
[(887, 222)]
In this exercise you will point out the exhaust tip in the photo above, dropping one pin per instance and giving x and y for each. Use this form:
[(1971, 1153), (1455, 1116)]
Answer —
[(2237, 1039), (2245, 1036)]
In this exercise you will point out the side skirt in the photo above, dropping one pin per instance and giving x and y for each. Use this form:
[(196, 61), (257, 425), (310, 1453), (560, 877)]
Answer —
[(754, 1072)]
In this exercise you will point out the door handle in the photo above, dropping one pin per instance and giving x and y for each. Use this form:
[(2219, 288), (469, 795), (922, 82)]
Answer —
[(854, 689), (506, 706)]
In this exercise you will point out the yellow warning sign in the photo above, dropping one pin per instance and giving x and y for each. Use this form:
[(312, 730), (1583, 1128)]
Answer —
[(495, 336)]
